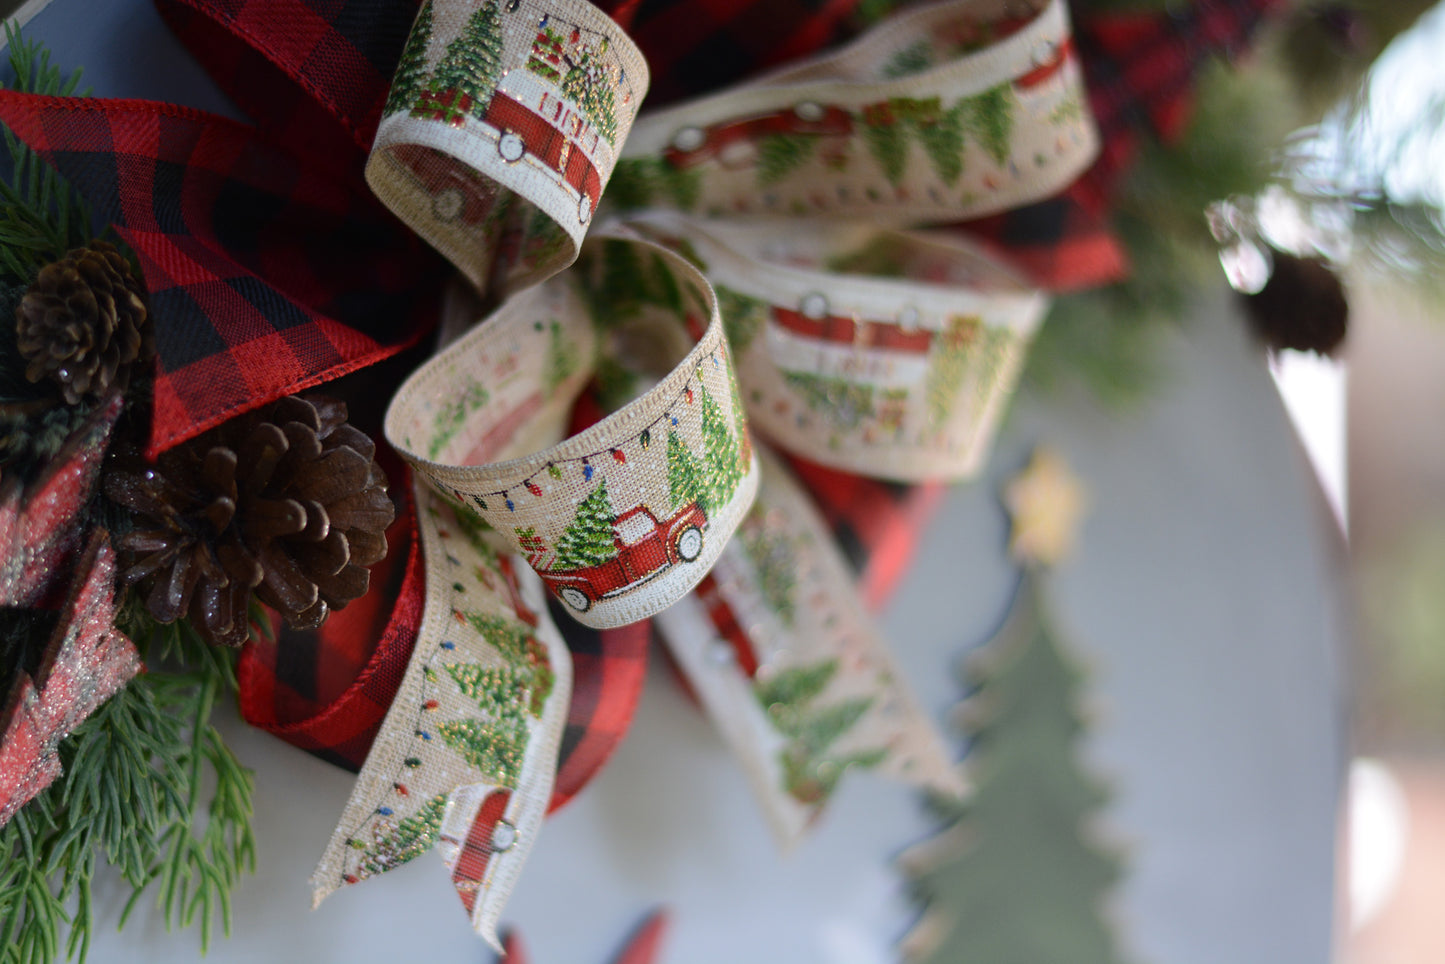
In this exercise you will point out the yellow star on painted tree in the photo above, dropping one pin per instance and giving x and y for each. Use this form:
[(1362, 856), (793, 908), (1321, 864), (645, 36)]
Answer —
[(1046, 502)]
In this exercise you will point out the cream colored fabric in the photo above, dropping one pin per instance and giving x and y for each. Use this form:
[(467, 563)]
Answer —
[(876, 351), (449, 740), (792, 671)]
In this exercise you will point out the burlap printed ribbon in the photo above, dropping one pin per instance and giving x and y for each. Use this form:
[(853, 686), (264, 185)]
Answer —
[(946, 112), (792, 672), (467, 754), (862, 348)]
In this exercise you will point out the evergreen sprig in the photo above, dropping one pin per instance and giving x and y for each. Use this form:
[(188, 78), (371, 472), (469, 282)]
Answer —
[(41, 215), (133, 792), (1106, 338)]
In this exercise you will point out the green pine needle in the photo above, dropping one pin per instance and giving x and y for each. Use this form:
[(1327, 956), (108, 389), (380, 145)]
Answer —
[(41, 215), (133, 792)]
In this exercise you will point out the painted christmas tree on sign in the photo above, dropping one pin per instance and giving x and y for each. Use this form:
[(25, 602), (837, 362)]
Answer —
[(1019, 876)]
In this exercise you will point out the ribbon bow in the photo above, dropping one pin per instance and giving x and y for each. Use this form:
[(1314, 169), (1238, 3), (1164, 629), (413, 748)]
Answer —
[(277, 269)]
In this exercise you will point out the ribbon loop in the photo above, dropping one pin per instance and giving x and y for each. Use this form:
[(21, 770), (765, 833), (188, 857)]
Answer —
[(625, 517), (501, 130), (795, 677), (885, 353), (467, 755), (952, 111)]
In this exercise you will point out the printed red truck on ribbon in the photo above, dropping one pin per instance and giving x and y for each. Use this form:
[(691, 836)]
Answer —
[(646, 547), (554, 134)]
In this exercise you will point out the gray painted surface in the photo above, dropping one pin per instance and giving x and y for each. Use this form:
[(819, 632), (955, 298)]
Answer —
[(1201, 599)]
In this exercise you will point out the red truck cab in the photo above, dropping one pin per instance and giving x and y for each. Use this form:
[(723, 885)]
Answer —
[(646, 547)]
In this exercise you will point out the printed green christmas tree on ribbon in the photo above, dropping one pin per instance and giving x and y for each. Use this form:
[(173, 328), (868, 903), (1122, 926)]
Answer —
[(774, 563), (888, 128), (886, 135), (991, 120), (942, 139), (947, 363), (453, 415), (846, 403), (723, 457), (502, 690), (410, 78), (409, 839), (995, 347), (514, 640), (687, 482), (987, 117), (587, 85), (781, 154), (588, 541), (561, 357), (495, 747), (740, 424), (810, 771), (472, 64)]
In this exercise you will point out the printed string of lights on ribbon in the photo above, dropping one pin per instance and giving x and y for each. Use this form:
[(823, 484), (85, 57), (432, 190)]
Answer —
[(617, 452), (496, 143)]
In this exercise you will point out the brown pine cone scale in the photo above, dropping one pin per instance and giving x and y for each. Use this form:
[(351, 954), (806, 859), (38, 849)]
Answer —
[(285, 502), (83, 322)]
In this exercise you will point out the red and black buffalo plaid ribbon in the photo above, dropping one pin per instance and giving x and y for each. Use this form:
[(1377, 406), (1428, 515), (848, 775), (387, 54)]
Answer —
[(269, 270), (328, 690)]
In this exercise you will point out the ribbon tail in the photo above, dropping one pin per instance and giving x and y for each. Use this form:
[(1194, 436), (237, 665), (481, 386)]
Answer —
[(792, 671), (467, 756)]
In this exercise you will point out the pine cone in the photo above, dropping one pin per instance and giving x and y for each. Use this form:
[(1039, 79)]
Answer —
[(286, 502), (1302, 306), (83, 321)]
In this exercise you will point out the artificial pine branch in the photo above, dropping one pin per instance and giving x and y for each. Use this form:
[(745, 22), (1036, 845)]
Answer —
[(133, 792), (1105, 338), (41, 215), (1309, 62)]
